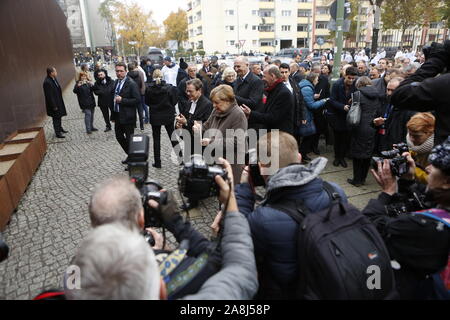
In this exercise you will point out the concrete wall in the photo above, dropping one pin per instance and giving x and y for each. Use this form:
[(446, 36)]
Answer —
[(33, 35)]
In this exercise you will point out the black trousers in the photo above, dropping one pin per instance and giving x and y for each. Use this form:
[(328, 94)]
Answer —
[(156, 130), (105, 112), (341, 144), (360, 169), (306, 145), (123, 134), (321, 124), (57, 125)]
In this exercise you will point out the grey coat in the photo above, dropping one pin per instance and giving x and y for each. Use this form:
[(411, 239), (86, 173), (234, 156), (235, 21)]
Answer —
[(238, 279)]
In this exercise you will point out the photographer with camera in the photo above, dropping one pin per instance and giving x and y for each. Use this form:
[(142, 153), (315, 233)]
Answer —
[(127, 258), (418, 241), (426, 91), (274, 232)]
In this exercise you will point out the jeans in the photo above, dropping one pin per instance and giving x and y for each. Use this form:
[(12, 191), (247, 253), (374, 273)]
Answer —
[(89, 119)]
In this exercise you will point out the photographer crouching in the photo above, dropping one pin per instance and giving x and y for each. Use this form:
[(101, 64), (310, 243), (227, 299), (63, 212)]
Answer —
[(414, 221)]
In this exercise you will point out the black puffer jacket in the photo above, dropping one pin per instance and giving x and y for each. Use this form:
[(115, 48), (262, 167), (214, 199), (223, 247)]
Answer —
[(363, 136), (161, 99), (85, 96)]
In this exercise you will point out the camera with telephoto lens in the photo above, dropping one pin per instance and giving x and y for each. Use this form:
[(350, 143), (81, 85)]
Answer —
[(138, 172), (4, 249), (399, 164), (251, 160), (196, 179)]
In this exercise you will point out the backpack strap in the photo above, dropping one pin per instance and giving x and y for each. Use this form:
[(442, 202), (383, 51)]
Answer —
[(438, 215), (332, 192), (295, 208)]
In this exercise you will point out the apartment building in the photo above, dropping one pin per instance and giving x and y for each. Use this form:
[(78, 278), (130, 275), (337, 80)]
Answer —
[(256, 25), (236, 26)]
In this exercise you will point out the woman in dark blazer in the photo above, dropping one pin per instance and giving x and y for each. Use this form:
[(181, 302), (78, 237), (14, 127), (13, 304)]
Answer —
[(84, 91), (161, 98)]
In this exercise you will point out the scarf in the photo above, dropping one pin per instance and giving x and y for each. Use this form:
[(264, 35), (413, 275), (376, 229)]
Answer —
[(278, 81), (425, 147)]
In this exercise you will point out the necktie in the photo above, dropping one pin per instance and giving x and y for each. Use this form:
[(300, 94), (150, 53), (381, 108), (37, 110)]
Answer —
[(116, 105)]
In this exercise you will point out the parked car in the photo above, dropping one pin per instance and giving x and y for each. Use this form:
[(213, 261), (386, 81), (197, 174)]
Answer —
[(156, 56), (292, 52)]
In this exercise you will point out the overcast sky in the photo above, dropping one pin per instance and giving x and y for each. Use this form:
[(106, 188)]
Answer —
[(162, 8)]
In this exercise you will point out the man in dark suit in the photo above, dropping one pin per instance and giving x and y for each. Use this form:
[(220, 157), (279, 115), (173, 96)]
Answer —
[(278, 111), (198, 108), (54, 101), (207, 72), (126, 99), (248, 87)]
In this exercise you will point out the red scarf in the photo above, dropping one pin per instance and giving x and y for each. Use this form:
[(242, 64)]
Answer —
[(268, 89)]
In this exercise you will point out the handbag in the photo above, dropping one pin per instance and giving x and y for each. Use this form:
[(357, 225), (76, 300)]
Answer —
[(354, 114), (308, 129)]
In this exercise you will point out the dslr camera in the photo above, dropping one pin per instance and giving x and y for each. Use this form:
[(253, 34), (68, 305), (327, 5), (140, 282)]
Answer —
[(399, 164), (196, 179), (407, 203), (138, 172), (251, 160)]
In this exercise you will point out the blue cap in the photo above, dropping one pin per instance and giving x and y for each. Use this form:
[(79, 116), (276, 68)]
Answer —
[(168, 59)]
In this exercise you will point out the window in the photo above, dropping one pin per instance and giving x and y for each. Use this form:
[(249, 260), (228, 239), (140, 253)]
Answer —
[(229, 28), (229, 12), (304, 13), (434, 25), (254, 27), (199, 30), (321, 25), (191, 20), (286, 13), (255, 42), (266, 28), (304, 1), (286, 28), (254, 12), (302, 27), (266, 13), (230, 42), (266, 43), (322, 10)]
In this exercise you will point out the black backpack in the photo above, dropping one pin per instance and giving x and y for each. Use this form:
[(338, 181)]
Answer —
[(340, 253)]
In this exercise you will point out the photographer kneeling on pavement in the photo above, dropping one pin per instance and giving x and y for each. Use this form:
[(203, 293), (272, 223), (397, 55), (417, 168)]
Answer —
[(414, 221), (117, 263), (274, 232)]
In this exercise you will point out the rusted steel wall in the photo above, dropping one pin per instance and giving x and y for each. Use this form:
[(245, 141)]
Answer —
[(33, 35)]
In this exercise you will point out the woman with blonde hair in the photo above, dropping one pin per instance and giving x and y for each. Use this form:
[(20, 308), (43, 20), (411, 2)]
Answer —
[(84, 90), (161, 99), (420, 139), (228, 77)]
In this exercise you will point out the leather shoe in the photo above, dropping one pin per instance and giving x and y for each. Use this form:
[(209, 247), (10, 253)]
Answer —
[(94, 129), (343, 163), (352, 182), (64, 131), (336, 163), (59, 135), (125, 161), (107, 129), (157, 165)]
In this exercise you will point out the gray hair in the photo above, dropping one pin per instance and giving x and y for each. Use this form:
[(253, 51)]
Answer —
[(363, 82), (312, 76), (241, 59), (228, 72), (115, 263), (115, 200), (273, 70)]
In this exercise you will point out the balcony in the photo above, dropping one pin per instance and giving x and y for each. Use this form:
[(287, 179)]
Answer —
[(323, 17), (304, 20), (266, 4), (266, 35), (305, 5), (322, 32), (302, 34)]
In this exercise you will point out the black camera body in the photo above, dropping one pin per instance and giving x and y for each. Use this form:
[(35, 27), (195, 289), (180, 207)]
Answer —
[(138, 172), (410, 203), (399, 164), (196, 179)]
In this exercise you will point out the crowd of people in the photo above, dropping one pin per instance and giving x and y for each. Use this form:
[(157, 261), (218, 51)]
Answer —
[(303, 239)]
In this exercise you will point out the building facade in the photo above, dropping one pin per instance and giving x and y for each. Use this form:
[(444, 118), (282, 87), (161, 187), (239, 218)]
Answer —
[(87, 28), (266, 26)]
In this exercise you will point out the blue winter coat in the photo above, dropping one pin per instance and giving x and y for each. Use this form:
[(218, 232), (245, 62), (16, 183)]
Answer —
[(308, 96), (274, 233)]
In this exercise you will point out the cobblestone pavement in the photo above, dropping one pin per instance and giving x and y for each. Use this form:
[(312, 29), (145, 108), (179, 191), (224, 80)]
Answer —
[(52, 217)]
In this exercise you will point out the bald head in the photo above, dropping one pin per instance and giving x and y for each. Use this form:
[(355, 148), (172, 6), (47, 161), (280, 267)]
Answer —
[(116, 200)]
